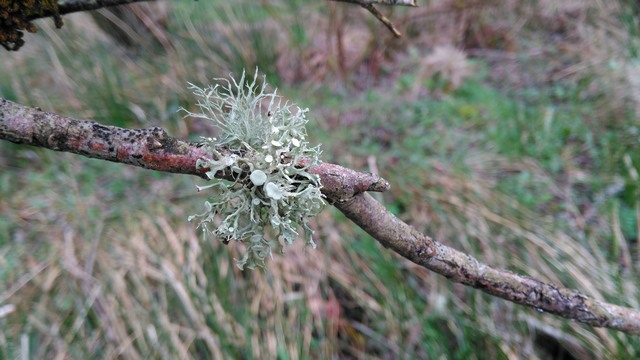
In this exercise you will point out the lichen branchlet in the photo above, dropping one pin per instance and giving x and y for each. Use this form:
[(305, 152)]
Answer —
[(265, 137)]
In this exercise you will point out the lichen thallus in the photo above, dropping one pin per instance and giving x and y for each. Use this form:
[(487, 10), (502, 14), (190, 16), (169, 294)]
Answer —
[(263, 137)]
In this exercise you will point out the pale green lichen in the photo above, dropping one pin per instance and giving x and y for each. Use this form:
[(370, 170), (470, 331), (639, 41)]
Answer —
[(266, 138)]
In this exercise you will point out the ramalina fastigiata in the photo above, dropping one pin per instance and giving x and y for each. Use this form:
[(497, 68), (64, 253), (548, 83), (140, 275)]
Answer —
[(265, 138)]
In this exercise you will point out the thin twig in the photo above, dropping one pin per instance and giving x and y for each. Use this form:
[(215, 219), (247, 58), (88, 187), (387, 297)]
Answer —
[(368, 5), (459, 267), (71, 6), (411, 3)]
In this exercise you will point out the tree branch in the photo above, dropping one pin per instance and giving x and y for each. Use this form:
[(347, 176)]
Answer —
[(15, 20), (459, 267), (150, 148), (71, 6), (153, 148)]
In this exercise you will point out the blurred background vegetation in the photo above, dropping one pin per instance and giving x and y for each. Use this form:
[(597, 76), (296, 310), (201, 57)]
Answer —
[(508, 130)]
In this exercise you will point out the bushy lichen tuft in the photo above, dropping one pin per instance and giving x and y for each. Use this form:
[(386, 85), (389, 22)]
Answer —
[(265, 138)]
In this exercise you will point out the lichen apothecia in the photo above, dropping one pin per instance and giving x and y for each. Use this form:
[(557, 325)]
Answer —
[(264, 138)]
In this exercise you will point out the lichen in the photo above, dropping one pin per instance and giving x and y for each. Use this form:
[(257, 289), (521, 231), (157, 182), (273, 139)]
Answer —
[(16, 16), (265, 137)]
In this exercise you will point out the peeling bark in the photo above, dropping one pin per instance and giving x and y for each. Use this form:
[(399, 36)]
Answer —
[(153, 148)]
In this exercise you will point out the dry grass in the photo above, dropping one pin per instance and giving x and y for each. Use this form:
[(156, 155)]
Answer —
[(98, 260)]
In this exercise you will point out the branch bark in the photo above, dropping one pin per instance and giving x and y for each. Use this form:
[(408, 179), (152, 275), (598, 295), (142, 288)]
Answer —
[(150, 148), (459, 267), (154, 149)]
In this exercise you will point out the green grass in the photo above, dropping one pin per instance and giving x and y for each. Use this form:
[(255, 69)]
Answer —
[(100, 262)]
